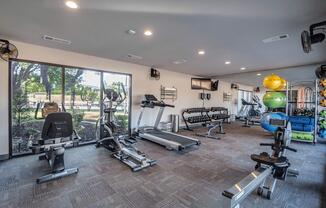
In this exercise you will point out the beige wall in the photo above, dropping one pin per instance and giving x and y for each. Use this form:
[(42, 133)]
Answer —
[(141, 84)]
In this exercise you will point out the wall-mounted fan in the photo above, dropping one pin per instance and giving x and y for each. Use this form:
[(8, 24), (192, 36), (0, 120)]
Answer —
[(7, 50), (311, 37)]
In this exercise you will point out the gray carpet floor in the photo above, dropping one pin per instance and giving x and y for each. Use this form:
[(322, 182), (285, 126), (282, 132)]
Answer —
[(195, 178)]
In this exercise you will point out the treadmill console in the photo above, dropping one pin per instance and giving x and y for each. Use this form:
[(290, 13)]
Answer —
[(150, 97), (151, 101)]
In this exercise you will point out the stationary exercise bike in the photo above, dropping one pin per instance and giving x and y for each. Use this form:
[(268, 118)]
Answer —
[(108, 133), (57, 134)]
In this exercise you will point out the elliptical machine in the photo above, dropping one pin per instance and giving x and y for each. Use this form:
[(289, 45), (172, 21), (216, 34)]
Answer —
[(108, 131), (251, 111)]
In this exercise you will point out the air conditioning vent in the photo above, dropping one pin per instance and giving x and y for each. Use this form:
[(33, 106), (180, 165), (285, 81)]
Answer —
[(134, 57), (56, 40), (180, 61), (276, 38)]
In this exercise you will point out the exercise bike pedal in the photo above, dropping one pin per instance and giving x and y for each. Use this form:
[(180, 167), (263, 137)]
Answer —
[(269, 195), (42, 157), (260, 191)]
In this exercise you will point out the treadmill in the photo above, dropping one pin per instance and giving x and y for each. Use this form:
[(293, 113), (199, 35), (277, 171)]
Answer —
[(170, 140)]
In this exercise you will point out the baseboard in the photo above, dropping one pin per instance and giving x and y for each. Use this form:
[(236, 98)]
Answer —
[(4, 157)]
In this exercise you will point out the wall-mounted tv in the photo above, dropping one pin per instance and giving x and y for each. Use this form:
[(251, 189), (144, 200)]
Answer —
[(201, 84)]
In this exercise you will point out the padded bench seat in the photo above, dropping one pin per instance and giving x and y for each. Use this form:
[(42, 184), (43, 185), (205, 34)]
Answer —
[(265, 158)]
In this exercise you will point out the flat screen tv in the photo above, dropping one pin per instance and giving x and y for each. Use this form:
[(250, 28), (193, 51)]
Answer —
[(201, 84)]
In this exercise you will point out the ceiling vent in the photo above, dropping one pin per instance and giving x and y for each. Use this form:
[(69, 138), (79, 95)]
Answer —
[(56, 40), (180, 61), (131, 32), (134, 57), (276, 38)]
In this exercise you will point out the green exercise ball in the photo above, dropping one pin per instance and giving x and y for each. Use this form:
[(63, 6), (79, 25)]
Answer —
[(274, 100)]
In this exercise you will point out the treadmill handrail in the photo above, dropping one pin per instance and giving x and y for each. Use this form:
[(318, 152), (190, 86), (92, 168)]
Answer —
[(152, 104), (168, 105)]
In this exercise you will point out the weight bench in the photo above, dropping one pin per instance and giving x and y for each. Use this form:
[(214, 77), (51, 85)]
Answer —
[(211, 130)]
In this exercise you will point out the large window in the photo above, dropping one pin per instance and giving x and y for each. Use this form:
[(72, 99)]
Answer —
[(82, 100), (76, 90)]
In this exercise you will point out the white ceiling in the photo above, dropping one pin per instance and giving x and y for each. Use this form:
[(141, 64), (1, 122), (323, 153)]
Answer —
[(225, 29)]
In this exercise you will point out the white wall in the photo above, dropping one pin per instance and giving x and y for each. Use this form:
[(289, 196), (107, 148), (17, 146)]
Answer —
[(4, 145), (141, 83)]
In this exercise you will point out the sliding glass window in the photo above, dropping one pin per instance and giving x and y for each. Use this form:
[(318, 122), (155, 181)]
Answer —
[(82, 100), (76, 90), (32, 84)]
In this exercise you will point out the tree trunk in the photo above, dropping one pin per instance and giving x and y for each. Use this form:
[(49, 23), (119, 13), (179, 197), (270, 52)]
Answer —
[(45, 81)]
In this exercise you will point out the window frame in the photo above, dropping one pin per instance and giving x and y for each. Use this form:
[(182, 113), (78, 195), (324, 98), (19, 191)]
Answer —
[(10, 94)]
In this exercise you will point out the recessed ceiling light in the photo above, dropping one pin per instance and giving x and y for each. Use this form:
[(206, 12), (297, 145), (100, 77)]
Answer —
[(201, 52), (243, 68), (228, 62), (72, 4), (259, 74), (148, 33)]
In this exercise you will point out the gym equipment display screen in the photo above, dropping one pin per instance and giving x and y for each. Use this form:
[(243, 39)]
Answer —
[(201, 84)]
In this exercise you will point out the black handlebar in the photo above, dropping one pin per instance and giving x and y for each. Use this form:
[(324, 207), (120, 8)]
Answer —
[(282, 147), (266, 144), (152, 104), (291, 149), (168, 105)]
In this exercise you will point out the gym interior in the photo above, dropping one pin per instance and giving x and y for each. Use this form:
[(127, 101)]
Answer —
[(158, 104)]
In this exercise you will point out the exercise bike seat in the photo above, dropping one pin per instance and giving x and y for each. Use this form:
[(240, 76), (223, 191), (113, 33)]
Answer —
[(265, 158)]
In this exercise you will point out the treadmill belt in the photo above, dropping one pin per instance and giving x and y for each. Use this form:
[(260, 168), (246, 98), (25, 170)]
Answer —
[(171, 137)]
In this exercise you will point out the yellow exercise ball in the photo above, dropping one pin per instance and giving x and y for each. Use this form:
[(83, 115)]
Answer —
[(322, 82), (322, 92), (272, 82), (283, 85), (322, 102)]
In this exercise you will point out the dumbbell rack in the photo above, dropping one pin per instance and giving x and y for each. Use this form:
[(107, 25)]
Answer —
[(195, 115), (220, 113), (205, 116)]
